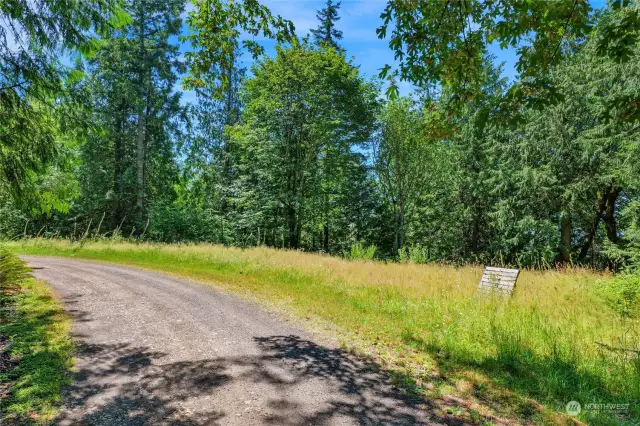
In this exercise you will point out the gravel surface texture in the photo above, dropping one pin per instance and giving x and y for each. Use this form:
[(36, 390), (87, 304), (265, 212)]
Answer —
[(156, 350)]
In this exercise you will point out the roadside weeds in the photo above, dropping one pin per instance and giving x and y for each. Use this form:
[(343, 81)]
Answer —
[(36, 352)]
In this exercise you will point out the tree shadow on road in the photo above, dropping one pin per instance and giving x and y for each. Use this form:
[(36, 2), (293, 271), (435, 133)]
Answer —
[(369, 398), (125, 384)]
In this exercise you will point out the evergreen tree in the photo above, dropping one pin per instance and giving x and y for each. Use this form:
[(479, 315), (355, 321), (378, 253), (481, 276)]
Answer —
[(569, 169), (303, 112), (209, 173), (327, 33), (32, 79), (127, 165)]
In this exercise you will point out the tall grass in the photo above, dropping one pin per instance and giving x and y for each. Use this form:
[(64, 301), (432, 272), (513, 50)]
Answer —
[(429, 325)]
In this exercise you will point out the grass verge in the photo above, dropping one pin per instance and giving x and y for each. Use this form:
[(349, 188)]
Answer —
[(486, 360), (38, 354)]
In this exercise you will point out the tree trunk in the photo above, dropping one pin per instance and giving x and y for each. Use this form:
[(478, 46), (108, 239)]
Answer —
[(401, 232), (325, 226), (140, 155), (590, 236), (293, 228), (565, 239), (140, 143), (396, 239), (605, 211), (325, 237), (298, 231), (399, 242), (609, 214), (118, 160)]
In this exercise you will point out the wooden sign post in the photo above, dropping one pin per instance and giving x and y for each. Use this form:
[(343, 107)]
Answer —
[(499, 280)]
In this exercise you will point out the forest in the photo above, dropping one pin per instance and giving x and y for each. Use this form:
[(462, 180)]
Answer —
[(301, 150), (281, 233)]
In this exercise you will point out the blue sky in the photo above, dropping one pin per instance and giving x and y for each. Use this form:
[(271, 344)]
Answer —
[(358, 22)]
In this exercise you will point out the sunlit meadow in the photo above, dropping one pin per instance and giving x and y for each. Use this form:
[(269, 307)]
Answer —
[(478, 356)]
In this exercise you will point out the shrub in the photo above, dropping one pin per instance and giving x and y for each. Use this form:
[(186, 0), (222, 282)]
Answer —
[(178, 222), (622, 293), (417, 255), (360, 252), (13, 220)]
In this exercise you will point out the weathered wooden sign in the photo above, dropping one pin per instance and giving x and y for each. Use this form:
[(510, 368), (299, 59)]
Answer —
[(499, 280)]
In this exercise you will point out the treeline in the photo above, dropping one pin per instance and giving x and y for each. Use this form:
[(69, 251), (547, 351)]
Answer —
[(304, 152)]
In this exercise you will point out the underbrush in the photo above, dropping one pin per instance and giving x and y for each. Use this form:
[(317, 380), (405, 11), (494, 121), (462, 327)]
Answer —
[(36, 348), (487, 359)]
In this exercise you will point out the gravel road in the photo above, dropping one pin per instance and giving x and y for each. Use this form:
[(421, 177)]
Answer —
[(155, 350)]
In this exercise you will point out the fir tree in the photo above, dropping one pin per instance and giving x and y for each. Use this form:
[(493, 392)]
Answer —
[(326, 33)]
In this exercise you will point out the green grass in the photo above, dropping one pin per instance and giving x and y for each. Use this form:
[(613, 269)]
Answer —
[(42, 352), (483, 359)]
